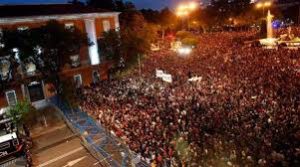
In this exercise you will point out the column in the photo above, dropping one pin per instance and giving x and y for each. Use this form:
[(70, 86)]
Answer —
[(117, 23), (91, 34)]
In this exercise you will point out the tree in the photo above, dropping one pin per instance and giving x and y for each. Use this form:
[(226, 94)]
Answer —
[(18, 111), (48, 47), (220, 10), (187, 38), (164, 18), (168, 20), (136, 34), (152, 16), (14, 47), (56, 44), (126, 46), (110, 45)]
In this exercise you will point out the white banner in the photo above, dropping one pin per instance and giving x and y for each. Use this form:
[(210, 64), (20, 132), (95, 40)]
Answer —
[(195, 79), (159, 73), (167, 78)]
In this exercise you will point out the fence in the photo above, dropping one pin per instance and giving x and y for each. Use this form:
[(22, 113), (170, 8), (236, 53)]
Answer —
[(108, 149)]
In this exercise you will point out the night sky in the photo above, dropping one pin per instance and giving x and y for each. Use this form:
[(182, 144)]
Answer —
[(154, 4)]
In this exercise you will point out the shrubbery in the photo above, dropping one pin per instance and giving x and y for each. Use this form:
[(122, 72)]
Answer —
[(187, 38)]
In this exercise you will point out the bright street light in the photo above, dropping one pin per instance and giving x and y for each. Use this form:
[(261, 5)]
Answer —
[(185, 8), (263, 5), (182, 13), (192, 5), (267, 4), (259, 5)]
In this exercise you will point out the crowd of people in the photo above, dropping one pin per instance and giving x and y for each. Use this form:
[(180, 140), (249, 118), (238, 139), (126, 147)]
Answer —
[(244, 111)]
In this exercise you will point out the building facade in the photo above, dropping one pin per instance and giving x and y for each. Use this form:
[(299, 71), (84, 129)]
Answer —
[(84, 68)]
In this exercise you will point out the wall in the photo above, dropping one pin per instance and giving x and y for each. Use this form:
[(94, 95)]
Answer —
[(19, 94), (86, 70), (99, 25)]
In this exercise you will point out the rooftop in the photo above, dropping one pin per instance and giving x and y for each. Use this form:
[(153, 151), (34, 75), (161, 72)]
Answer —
[(45, 10)]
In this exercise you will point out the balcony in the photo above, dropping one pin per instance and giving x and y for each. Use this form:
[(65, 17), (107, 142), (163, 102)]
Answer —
[(75, 61), (30, 69)]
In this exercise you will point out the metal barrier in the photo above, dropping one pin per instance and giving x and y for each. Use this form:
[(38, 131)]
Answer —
[(96, 138)]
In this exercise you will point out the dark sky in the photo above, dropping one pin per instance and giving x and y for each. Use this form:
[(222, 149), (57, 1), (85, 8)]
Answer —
[(154, 4)]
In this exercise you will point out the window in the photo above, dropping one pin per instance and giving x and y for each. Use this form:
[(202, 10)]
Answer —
[(22, 28), (36, 92), (69, 25), (4, 69), (30, 68), (78, 80), (11, 97), (16, 52), (75, 60), (96, 76), (106, 25)]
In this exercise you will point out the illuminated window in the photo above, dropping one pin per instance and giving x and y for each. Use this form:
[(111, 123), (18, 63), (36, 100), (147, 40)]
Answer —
[(75, 60), (4, 69), (16, 52), (22, 28), (78, 80), (106, 25), (69, 26), (30, 68), (11, 97)]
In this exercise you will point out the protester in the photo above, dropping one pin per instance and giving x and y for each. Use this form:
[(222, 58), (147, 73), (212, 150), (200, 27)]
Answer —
[(243, 112)]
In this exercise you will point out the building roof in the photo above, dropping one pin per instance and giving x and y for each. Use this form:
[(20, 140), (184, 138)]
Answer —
[(7, 11)]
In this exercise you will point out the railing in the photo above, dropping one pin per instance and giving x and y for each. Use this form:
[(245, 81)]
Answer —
[(95, 138)]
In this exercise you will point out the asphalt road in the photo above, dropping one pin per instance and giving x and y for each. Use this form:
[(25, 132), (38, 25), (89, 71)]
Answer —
[(69, 153)]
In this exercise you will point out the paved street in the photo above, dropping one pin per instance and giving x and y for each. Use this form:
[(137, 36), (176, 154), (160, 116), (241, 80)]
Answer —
[(58, 146), (69, 153)]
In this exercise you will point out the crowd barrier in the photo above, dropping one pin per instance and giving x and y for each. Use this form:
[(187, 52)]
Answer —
[(96, 137)]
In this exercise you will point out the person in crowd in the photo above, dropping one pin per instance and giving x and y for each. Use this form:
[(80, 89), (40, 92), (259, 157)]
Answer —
[(244, 112)]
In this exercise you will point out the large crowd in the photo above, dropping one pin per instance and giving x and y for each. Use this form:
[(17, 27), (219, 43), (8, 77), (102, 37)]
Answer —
[(244, 111)]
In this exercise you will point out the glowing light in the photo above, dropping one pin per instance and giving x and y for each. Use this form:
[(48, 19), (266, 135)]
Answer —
[(182, 13), (181, 7), (192, 5), (267, 4), (259, 5), (185, 9), (268, 41), (263, 4), (184, 50)]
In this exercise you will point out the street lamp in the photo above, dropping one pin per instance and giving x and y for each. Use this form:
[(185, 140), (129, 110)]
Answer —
[(183, 10), (263, 5)]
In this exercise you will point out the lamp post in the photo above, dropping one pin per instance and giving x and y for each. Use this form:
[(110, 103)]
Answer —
[(263, 5), (183, 11)]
